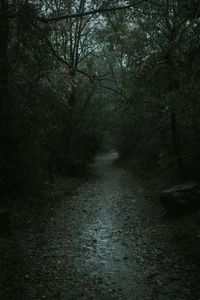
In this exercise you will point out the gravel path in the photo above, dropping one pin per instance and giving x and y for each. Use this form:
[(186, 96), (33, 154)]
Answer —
[(107, 241)]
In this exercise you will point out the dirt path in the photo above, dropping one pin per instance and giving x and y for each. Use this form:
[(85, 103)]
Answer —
[(108, 241)]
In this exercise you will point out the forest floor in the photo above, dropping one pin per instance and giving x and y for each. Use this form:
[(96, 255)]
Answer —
[(107, 239)]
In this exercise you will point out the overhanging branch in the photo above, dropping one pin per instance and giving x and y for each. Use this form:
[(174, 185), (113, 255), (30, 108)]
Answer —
[(92, 12), (91, 78)]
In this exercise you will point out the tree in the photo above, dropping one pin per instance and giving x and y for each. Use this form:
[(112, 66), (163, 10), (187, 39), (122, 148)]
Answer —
[(4, 95), (73, 71)]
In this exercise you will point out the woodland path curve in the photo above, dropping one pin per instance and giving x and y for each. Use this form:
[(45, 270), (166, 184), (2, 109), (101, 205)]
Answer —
[(107, 241)]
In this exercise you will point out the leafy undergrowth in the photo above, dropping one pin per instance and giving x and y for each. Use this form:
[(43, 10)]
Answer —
[(185, 230), (27, 214)]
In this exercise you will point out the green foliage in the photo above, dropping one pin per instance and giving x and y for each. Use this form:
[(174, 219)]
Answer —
[(163, 82), (128, 78)]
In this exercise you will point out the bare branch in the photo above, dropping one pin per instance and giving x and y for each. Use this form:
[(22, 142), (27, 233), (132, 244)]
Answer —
[(91, 78), (113, 90), (85, 106), (92, 12)]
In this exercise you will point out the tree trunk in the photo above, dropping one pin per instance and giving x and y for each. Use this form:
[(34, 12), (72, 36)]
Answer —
[(69, 126), (51, 163), (176, 142), (4, 109)]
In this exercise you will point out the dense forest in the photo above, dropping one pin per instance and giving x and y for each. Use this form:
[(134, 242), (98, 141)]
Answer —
[(77, 75), (99, 129)]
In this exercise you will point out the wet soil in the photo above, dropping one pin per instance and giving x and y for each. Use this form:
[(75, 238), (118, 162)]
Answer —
[(109, 239)]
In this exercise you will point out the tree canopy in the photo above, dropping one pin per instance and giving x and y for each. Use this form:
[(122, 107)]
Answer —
[(76, 75)]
